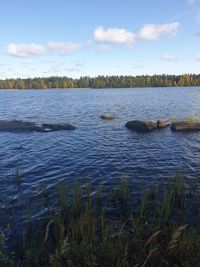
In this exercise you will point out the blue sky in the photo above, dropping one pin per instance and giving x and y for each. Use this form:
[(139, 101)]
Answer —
[(98, 37)]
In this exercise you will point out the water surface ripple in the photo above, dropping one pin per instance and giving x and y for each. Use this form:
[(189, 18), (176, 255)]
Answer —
[(100, 150)]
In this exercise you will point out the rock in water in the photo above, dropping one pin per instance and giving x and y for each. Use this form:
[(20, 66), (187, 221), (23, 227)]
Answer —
[(107, 117), (163, 123), (142, 126), (24, 126), (18, 126), (57, 127), (182, 126)]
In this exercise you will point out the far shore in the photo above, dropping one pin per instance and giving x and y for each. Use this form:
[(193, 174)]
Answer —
[(92, 88), (142, 81)]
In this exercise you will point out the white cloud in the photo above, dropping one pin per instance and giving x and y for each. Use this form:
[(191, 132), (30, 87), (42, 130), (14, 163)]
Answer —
[(63, 48), (169, 58), (197, 58), (104, 48), (155, 31), (114, 35), (147, 33), (24, 50)]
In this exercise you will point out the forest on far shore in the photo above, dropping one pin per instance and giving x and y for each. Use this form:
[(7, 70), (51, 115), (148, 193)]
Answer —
[(163, 80)]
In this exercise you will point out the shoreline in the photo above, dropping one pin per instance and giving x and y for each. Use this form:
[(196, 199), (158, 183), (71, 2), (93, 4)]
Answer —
[(94, 88), (102, 81)]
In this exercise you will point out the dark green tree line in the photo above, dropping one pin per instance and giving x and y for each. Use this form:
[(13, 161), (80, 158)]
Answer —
[(103, 82)]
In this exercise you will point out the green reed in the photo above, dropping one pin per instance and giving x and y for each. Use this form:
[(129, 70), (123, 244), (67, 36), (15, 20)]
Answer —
[(86, 230)]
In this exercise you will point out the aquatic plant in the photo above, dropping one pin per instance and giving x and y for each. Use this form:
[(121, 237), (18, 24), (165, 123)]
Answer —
[(17, 178), (189, 118), (86, 230), (192, 118)]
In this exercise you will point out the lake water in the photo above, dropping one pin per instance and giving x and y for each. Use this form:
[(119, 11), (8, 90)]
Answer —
[(99, 150)]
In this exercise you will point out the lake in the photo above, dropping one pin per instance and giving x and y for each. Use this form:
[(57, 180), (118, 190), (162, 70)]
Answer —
[(98, 150)]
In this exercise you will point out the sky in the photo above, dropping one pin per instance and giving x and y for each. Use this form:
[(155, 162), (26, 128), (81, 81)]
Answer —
[(42, 38)]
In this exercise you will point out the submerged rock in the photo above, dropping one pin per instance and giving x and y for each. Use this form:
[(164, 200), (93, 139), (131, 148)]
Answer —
[(18, 126), (142, 126), (57, 127), (185, 126), (107, 117), (163, 123)]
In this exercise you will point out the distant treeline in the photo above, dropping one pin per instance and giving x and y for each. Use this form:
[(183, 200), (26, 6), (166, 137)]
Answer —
[(103, 82)]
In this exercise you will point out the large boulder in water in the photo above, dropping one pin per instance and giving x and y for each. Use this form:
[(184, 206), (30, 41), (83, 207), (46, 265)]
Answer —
[(142, 126), (107, 117), (182, 126), (57, 127), (18, 126), (25, 126)]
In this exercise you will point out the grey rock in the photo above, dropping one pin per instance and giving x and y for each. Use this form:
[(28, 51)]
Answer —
[(185, 126), (18, 126), (142, 126), (25, 126), (57, 127)]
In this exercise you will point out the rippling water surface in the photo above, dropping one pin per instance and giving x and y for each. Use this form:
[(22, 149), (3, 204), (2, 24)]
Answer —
[(100, 150)]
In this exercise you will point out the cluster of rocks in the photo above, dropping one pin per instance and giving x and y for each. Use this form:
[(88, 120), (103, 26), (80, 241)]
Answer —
[(26, 126), (135, 125), (150, 125)]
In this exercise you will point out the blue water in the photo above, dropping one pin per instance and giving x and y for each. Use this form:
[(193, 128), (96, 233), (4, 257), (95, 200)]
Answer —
[(99, 150)]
